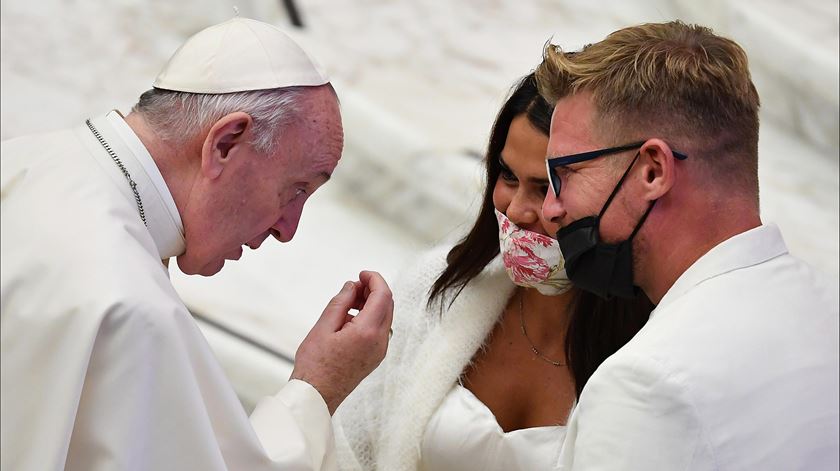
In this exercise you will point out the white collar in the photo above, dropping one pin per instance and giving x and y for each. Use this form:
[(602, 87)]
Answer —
[(748, 248), (162, 218)]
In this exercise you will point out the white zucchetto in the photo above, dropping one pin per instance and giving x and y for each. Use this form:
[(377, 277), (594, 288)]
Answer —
[(239, 55)]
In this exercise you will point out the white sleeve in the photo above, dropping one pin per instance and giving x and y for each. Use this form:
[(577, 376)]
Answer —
[(635, 414), (154, 397), (294, 428)]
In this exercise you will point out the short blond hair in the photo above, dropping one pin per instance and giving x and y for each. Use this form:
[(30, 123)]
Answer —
[(671, 80)]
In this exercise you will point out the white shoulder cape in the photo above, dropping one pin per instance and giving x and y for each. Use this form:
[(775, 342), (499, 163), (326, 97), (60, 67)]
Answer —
[(102, 365)]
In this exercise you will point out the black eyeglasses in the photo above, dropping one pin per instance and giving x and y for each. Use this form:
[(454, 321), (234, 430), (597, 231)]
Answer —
[(552, 163)]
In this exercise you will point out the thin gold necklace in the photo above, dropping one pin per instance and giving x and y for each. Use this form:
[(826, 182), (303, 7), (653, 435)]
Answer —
[(525, 333)]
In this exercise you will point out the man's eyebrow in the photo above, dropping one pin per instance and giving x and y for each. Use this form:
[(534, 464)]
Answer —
[(566, 167), (314, 182)]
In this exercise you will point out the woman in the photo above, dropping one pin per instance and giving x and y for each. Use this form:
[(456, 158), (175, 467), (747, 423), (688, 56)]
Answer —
[(491, 344)]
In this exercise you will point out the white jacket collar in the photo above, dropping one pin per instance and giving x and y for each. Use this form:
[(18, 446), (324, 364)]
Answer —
[(162, 217), (742, 250)]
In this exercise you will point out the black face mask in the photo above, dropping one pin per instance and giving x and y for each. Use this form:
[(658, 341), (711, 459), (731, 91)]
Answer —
[(592, 265)]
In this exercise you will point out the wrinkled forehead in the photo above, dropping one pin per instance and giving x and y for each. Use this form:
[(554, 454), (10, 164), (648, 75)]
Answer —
[(318, 152), (328, 140), (321, 118)]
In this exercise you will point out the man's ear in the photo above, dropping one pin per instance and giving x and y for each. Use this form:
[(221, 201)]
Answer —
[(658, 168), (224, 139)]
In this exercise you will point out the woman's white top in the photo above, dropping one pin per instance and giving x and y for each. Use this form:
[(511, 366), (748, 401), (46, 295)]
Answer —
[(463, 434)]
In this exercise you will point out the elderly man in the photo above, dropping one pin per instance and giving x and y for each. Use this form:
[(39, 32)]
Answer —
[(653, 167), (102, 365)]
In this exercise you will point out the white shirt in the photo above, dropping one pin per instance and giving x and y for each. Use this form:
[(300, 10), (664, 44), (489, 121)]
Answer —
[(102, 365), (737, 369), (463, 434)]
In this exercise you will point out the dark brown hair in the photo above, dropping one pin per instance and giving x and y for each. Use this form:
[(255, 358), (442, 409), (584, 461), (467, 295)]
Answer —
[(597, 328)]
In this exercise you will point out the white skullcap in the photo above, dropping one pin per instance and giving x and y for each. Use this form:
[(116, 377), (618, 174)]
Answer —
[(236, 56)]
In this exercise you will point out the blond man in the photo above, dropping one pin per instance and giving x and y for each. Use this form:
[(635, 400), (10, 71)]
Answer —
[(653, 158)]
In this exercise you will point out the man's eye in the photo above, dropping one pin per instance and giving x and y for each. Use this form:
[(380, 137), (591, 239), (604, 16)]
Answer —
[(563, 173), (298, 193)]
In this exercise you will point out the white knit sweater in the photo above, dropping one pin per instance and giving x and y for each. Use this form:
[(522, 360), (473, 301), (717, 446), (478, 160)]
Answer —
[(380, 426)]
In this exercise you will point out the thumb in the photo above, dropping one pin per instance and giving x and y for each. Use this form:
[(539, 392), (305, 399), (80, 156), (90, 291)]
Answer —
[(334, 315)]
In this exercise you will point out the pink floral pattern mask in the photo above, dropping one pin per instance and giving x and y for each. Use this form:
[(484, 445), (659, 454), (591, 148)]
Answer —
[(532, 260)]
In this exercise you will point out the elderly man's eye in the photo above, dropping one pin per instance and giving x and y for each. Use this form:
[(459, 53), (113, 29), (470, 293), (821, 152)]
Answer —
[(297, 194)]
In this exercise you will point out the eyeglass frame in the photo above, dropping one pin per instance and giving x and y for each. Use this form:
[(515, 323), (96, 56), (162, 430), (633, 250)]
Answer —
[(562, 161)]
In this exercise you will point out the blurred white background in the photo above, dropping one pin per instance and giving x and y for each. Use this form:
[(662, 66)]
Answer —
[(420, 83)]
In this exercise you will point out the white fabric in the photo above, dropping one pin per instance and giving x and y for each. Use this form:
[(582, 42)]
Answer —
[(261, 56), (463, 434), (174, 246), (166, 227), (737, 369), (382, 423), (102, 365)]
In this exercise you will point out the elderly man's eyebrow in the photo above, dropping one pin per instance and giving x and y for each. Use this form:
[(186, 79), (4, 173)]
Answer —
[(320, 178), (312, 183)]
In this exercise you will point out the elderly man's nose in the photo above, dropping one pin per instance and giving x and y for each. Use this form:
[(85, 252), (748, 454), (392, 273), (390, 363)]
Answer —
[(285, 227), (284, 230)]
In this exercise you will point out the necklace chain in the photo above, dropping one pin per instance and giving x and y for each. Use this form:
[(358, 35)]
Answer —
[(124, 171), (525, 333)]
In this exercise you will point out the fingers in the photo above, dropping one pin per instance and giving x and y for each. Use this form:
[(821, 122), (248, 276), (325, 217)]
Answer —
[(361, 295), (371, 296), (336, 312), (378, 308), (373, 280)]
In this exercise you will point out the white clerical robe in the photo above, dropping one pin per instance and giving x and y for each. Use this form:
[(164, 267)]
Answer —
[(103, 367), (738, 368)]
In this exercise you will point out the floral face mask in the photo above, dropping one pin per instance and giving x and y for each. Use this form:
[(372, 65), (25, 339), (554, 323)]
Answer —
[(532, 260)]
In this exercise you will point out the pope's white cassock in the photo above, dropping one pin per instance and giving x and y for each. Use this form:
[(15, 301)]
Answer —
[(102, 365)]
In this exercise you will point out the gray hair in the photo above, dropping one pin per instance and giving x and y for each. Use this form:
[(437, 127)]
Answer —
[(176, 115)]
